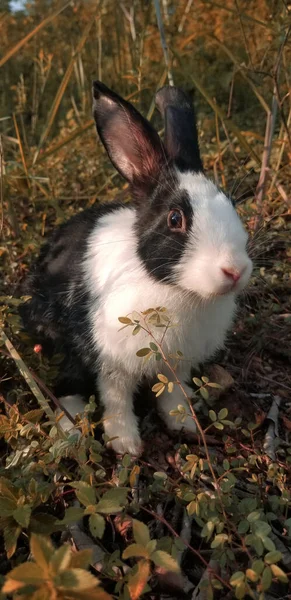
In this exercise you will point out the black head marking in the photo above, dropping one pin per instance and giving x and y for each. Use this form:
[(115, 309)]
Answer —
[(159, 246)]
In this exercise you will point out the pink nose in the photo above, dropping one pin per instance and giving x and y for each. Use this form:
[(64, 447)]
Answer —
[(232, 273)]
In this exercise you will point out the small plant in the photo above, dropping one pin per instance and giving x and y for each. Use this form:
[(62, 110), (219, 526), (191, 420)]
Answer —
[(55, 574)]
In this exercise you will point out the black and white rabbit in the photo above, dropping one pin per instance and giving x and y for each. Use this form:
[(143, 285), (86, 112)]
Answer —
[(179, 244)]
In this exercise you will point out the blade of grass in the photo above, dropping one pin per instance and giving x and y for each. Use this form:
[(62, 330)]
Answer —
[(163, 40), (28, 37), (21, 150), (62, 89)]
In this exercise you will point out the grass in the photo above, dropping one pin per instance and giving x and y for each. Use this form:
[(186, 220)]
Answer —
[(209, 516)]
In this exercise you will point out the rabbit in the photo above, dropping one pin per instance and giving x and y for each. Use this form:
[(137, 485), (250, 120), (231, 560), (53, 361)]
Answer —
[(179, 244)]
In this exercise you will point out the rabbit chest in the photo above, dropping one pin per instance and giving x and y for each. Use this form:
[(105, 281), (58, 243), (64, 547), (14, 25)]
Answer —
[(119, 286)]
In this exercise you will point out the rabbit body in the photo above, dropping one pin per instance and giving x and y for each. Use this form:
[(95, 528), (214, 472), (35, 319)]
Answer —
[(181, 245)]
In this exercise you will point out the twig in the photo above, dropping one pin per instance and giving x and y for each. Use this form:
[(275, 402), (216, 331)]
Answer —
[(163, 40), (129, 15), (269, 132), (184, 16)]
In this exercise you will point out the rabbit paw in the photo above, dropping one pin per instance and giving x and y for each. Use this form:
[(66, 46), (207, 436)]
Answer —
[(126, 444)]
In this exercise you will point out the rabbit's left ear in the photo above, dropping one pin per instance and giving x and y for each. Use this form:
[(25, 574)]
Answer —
[(181, 137), (133, 145)]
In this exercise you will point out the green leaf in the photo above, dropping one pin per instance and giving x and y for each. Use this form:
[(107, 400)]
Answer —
[(253, 516), (214, 385), (22, 515), (141, 533), (137, 582), (204, 393), (240, 590), (61, 558), (197, 381), (112, 501), (77, 579), (258, 566), (256, 543), (219, 540), (273, 557), (143, 352), (7, 507), (262, 528), (218, 425), (266, 580), (153, 347), (44, 524), (96, 525), (11, 535), (85, 493), (126, 461), (72, 515), (207, 530), (125, 320), (243, 527), (42, 550), (223, 413), (7, 490), (135, 550), (28, 573), (165, 560), (160, 475), (212, 415), (277, 572), (268, 544), (34, 416), (151, 546), (136, 330), (237, 578)]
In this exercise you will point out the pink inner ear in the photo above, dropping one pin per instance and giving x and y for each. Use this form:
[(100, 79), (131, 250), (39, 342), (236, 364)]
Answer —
[(131, 150)]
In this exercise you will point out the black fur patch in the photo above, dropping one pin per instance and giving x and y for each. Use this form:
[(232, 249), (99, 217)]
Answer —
[(159, 248), (57, 316)]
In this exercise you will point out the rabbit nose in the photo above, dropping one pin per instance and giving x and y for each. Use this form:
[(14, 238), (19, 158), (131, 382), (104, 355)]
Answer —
[(233, 274)]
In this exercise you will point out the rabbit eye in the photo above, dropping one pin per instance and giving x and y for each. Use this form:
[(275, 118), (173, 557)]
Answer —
[(176, 220)]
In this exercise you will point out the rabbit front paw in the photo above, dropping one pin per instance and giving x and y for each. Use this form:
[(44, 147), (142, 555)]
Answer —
[(127, 444)]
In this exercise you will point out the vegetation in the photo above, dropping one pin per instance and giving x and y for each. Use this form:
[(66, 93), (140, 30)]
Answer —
[(205, 518)]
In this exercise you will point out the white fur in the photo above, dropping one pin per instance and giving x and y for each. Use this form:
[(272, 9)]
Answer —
[(119, 284), (217, 241)]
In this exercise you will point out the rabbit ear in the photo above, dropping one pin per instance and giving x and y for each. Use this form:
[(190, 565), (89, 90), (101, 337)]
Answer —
[(181, 137), (133, 146)]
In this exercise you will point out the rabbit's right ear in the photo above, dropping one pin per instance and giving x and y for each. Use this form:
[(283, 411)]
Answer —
[(133, 146), (181, 137)]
